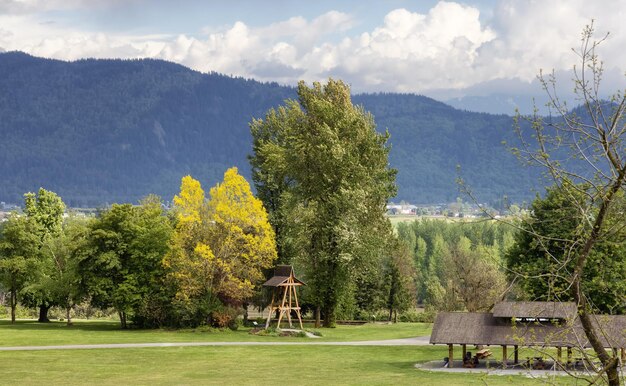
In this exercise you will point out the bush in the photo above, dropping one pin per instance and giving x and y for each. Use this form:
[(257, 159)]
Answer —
[(225, 317), (417, 317)]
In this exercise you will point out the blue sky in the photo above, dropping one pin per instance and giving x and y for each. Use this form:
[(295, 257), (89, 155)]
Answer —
[(443, 49)]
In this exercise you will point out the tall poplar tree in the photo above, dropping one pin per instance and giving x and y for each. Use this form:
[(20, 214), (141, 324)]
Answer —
[(322, 170)]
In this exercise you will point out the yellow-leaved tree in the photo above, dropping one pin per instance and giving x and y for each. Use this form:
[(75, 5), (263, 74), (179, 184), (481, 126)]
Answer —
[(219, 248)]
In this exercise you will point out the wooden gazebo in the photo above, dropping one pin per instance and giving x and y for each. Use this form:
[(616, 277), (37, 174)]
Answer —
[(284, 283), (530, 324)]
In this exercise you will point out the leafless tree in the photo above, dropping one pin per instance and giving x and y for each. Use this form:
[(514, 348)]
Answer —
[(582, 151)]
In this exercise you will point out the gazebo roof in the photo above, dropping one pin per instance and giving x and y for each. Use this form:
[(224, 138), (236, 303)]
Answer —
[(535, 310), (282, 273), (487, 329)]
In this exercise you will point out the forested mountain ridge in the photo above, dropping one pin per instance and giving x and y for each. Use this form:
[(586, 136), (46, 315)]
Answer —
[(102, 131)]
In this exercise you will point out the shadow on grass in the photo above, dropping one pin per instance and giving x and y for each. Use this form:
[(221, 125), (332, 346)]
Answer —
[(54, 325)]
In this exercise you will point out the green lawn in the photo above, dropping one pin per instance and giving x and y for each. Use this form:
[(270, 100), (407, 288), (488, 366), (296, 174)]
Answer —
[(230, 365), (261, 365), (31, 333)]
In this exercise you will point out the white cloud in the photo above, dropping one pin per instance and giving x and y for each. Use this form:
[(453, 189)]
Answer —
[(449, 47)]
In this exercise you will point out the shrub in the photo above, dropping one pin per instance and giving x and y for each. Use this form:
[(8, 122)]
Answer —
[(225, 317)]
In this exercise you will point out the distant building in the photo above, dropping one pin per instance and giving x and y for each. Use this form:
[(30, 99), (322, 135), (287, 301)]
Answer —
[(407, 209)]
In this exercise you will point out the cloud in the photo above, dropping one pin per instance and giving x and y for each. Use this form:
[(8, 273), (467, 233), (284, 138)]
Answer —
[(450, 47)]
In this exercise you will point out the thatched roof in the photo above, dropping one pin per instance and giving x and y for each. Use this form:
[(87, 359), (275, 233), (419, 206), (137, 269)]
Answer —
[(282, 273), (486, 329), (535, 310)]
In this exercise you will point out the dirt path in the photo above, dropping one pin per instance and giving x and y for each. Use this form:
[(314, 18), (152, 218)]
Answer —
[(417, 341)]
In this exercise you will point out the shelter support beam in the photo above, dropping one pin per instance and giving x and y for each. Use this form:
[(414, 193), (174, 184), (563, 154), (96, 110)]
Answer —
[(504, 356), (464, 351), (569, 355), (516, 354), (559, 356), (450, 355)]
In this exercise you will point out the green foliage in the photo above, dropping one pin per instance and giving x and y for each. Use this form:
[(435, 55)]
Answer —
[(322, 170), (542, 257), (120, 265), (400, 279), (19, 257), (453, 257), (46, 210), (62, 283)]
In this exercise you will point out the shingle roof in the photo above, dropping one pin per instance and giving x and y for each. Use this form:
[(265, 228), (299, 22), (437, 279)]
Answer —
[(486, 329), (535, 310), (281, 275)]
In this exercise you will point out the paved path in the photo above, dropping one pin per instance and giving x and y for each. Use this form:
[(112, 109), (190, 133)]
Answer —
[(417, 341), (495, 369)]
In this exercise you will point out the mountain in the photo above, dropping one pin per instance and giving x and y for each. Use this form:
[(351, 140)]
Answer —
[(103, 131)]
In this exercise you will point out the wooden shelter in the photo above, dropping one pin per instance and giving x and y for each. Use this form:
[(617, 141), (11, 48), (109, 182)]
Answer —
[(284, 283), (530, 324)]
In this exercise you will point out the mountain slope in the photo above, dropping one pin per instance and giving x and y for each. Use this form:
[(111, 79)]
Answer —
[(102, 131)]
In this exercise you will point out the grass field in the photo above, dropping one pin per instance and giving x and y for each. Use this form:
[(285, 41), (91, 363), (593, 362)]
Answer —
[(30, 333), (224, 365)]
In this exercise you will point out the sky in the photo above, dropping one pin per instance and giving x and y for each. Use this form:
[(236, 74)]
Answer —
[(442, 49)]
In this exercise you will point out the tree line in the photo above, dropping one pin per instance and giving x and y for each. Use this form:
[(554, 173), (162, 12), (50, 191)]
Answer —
[(321, 171), (188, 266)]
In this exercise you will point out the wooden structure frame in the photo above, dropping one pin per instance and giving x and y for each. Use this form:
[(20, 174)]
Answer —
[(529, 324), (284, 283)]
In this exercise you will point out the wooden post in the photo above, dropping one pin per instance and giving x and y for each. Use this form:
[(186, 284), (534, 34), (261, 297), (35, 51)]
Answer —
[(289, 288), (504, 356), (569, 356), (295, 296), (464, 351), (282, 307), (559, 356), (450, 355), (516, 354)]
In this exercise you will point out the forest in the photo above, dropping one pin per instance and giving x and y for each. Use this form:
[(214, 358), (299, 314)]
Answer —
[(104, 131), (322, 179)]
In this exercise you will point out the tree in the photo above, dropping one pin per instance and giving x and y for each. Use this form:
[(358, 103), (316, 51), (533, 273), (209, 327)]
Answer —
[(219, 247), (536, 259), (63, 283), (584, 154), (323, 169), (46, 210), (19, 250), (473, 277), (400, 275), (123, 254)]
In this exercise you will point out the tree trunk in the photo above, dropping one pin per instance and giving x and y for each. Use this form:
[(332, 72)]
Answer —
[(609, 364), (318, 317), (13, 306), (122, 319), (245, 313), (329, 318), (390, 314), (68, 314), (43, 314), (395, 317)]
